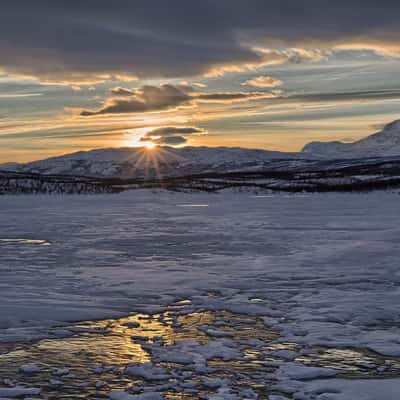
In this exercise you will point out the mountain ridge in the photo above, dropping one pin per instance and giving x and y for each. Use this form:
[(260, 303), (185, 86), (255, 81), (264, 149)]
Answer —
[(138, 162), (384, 143), (128, 162)]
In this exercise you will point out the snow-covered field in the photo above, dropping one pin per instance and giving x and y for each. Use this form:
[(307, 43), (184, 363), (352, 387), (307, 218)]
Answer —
[(319, 269)]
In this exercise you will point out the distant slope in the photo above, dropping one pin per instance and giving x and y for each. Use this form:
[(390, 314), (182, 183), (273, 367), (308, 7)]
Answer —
[(130, 162), (385, 143), (138, 163), (323, 176)]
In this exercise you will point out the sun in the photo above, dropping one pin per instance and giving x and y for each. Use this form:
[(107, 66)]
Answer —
[(149, 145)]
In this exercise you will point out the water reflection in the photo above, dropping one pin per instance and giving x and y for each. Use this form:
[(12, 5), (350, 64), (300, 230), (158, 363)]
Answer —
[(95, 355), (100, 350), (357, 362)]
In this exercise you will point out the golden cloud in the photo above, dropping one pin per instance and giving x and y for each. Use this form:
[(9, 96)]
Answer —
[(263, 82)]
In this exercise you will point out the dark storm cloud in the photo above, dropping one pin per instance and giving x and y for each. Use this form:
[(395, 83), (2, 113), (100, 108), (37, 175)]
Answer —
[(156, 98), (91, 39)]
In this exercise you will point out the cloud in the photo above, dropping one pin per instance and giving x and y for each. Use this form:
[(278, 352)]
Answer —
[(173, 130), (265, 57), (171, 135), (350, 96), (156, 98), (120, 91), (200, 84), (232, 96), (18, 95), (147, 98), (383, 48), (63, 43), (263, 82), (167, 140)]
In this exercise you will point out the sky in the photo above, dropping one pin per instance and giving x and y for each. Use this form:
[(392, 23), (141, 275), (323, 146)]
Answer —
[(77, 75)]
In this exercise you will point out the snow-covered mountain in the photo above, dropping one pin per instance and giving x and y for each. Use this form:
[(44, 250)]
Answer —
[(130, 162), (385, 143)]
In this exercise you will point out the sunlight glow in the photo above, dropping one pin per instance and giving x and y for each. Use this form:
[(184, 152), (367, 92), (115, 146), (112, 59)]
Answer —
[(149, 145)]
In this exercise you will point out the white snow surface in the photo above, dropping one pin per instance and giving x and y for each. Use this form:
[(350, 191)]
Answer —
[(320, 269), (347, 389), (121, 395), (300, 371), (18, 392)]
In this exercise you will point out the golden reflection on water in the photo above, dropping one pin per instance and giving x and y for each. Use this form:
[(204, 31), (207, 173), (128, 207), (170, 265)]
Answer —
[(114, 342), (348, 360), (117, 343)]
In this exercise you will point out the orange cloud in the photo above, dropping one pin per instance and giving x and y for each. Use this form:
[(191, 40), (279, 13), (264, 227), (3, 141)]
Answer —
[(157, 98), (263, 81)]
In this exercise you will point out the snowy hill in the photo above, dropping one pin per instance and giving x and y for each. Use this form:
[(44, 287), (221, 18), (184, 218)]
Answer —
[(132, 162), (385, 143)]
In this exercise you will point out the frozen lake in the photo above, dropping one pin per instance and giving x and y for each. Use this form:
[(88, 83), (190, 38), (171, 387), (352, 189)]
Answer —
[(319, 270)]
